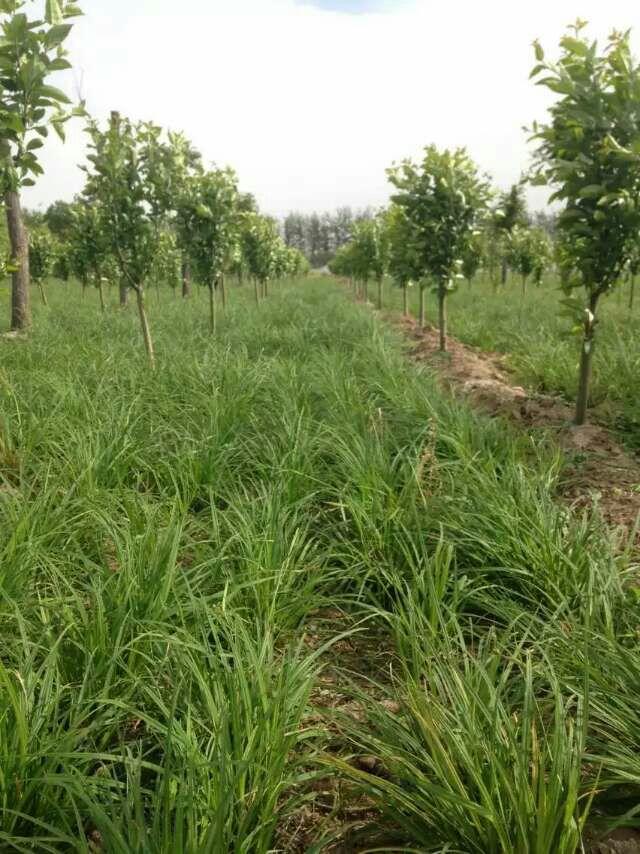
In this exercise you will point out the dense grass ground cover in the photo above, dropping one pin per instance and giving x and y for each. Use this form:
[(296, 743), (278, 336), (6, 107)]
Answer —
[(167, 537), (533, 333)]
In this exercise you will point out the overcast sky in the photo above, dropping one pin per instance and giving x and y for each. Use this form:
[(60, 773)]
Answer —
[(310, 100)]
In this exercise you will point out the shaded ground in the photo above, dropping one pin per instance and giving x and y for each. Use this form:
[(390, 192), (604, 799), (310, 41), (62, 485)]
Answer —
[(600, 470)]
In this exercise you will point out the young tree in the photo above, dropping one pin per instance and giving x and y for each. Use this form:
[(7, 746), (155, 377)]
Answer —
[(260, 242), (472, 257), (89, 252), (527, 253), (131, 202), (404, 260), (31, 51), (590, 152), (42, 256), (510, 213), (443, 197), (208, 222)]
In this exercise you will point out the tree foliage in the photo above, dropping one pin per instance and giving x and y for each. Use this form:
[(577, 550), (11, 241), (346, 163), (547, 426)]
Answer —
[(589, 152)]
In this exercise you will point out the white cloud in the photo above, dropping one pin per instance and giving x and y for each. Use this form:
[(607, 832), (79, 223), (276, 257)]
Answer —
[(311, 106)]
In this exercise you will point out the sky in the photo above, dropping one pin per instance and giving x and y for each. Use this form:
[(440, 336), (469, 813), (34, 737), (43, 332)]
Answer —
[(311, 100)]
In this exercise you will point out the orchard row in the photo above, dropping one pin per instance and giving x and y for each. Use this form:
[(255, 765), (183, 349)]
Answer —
[(150, 211), (442, 225)]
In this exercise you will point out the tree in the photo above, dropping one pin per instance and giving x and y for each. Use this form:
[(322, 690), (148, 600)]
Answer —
[(59, 219), (590, 152), (208, 221), (404, 261), (260, 243), (131, 202), (443, 197), (31, 51), (170, 163), (167, 265), (472, 257), (527, 253), (510, 213), (89, 252), (372, 251), (42, 256)]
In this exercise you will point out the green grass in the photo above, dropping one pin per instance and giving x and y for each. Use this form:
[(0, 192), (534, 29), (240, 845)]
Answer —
[(534, 335), (168, 539)]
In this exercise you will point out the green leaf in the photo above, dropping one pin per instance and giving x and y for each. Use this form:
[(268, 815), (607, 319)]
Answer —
[(53, 93), (538, 51), (58, 34), (53, 12), (592, 191), (575, 46), (35, 144)]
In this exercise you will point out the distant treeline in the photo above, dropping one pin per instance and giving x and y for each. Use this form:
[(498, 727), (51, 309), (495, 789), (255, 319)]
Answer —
[(319, 235)]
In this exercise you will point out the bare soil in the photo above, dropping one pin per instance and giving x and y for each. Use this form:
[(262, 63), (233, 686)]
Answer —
[(600, 470)]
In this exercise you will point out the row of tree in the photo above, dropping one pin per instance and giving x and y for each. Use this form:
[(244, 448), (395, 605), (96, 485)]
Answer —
[(441, 225), (319, 236), (150, 211)]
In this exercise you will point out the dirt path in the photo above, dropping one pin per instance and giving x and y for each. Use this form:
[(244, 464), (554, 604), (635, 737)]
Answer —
[(600, 470)]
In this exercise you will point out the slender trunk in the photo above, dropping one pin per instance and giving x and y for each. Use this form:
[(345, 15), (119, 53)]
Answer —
[(223, 290), (18, 239), (256, 291), (586, 359), (380, 286), (43, 295), (212, 309), (186, 278), (504, 273), (469, 280), (366, 290), (101, 292), (421, 312), (632, 292), (144, 323), (124, 295), (265, 288), (524, 285), (442, 318), (405, 300)]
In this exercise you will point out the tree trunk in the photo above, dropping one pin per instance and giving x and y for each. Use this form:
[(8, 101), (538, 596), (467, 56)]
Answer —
[(144, 323), (524, 285), (19, 242), (632, 292), (212, 309), (405, 300), (504, 273), (265, 288), (186, 279), (421, 312), (223, 290), (366, 290), (124, 295), (442, 318), (256, 291), (101, 292), (586, 359), (380, 286), (43, 295)]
